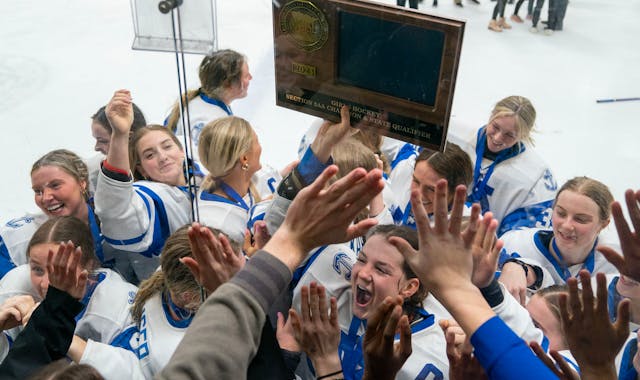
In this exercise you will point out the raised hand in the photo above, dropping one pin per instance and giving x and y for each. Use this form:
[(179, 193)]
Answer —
[(382, 358), (322, 215), (629, 262), (214, 261), (331, 134), (13, 310), (485, 251), (65, 271), (317, 331), (593, 340), (444, 255), (119, 112)]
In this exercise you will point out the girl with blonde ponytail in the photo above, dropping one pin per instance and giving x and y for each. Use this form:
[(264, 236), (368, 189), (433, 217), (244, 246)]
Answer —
[(230, 151)]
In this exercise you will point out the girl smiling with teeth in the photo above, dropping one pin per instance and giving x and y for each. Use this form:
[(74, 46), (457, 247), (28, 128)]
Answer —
[(509, 178), (540, 258), (59, 180)]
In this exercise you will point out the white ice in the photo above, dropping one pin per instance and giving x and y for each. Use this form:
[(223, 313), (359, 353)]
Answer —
[(61, 60)]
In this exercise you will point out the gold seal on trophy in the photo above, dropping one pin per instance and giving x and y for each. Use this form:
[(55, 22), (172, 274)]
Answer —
[(304, 24)]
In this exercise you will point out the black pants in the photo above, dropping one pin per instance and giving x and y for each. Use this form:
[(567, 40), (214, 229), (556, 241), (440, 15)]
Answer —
[(499, 9), (412, 3), (529, 7)]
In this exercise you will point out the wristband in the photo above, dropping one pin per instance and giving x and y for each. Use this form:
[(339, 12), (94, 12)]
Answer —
[(291, 185), (493, 293), (328, 375)]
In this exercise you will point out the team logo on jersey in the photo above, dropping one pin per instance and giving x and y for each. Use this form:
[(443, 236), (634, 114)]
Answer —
[(19, 222), (342, 265), (549, 182), (132, 297), (195, 131)]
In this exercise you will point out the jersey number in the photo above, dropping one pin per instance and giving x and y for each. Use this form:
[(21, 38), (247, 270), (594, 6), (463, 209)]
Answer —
[(430, 372)]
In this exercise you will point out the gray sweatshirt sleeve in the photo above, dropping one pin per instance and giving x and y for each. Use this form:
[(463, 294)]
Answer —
[(225, 333)]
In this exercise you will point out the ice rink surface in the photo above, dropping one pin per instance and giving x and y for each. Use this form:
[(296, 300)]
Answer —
[(60, 61)]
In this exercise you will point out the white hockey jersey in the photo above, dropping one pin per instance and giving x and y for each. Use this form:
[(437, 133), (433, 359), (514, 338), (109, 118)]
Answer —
[(517, 187), (234, 217), (202, 111), (138, 352), (14, 240), (528, 245), (138, 217)]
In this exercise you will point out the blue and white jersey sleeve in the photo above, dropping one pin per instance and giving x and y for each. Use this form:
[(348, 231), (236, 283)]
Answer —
[(138, 217), (14, 240), (308, 137)]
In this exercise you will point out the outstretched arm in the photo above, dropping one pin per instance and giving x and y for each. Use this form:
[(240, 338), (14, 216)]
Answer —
[(444, 263)]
